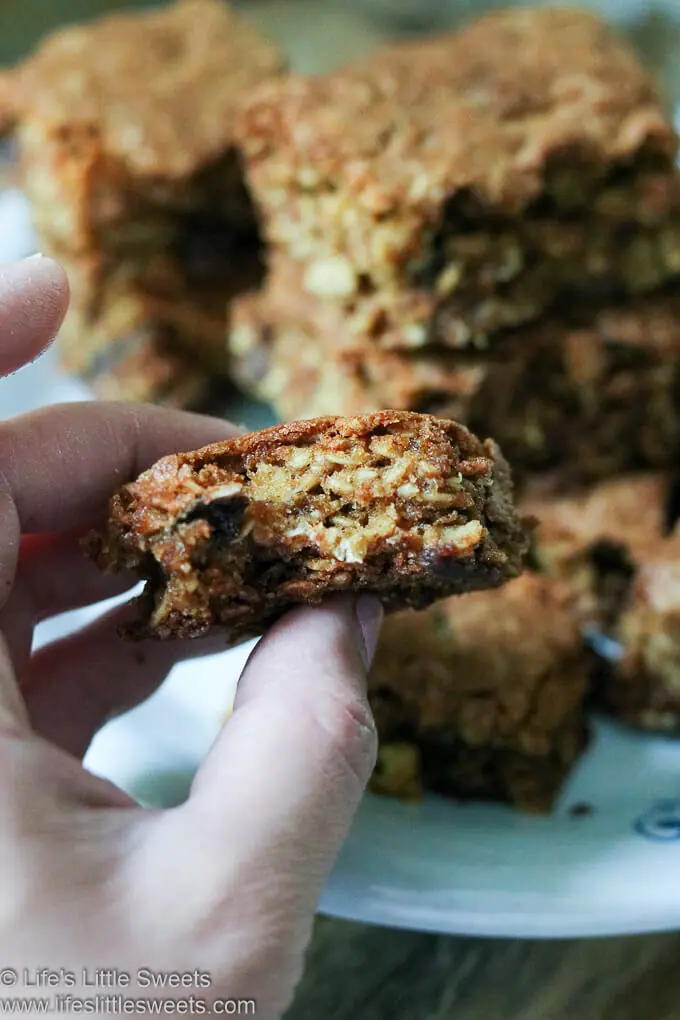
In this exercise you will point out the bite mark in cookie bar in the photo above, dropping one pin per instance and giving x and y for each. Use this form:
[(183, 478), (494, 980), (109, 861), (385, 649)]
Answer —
[(482, 696), (446, 190), (125, 132), (406, 506)]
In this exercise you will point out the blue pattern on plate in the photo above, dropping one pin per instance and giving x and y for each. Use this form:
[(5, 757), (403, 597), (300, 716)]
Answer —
[(661, 823)]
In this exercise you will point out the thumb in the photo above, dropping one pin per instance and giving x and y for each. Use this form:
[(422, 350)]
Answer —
[(292, 762), (271, 805)]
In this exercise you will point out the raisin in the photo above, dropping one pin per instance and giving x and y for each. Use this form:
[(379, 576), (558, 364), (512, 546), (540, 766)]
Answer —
[(224, 516)]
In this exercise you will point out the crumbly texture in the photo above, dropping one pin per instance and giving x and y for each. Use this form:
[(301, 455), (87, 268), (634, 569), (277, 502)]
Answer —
[(445, 190), (592, 393), (406, 506), (482, 696), (594, 539), (125, 129), (642, 688)]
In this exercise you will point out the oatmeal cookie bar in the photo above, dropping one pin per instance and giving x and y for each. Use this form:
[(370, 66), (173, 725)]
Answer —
[(125, 129), (642, 687), (588, 394), (482, 696), (445, 190), (409, 507), (594, 539)]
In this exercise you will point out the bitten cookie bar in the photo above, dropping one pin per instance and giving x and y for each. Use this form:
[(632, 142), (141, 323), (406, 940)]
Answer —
[(482, 696), (407, 506), (443, 191), (125, 133), (643, 687), (594, 539), (586, 394)]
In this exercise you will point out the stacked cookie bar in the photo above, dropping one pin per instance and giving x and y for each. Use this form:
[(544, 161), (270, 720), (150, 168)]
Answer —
[(455, 220), (125, 129), (487, 226)]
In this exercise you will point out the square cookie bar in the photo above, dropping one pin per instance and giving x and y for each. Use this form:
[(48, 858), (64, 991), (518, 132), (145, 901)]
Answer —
[(443, 191), (125, 130), (482, 696)]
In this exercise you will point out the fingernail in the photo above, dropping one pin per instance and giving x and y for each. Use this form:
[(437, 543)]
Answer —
[(38, 255), (370, 614)]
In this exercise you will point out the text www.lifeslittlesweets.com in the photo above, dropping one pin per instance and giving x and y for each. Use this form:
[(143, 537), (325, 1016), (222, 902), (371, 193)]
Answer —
[(121, 1005)]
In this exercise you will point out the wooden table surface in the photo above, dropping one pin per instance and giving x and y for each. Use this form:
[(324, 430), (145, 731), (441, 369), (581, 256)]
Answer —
[(356, 972)]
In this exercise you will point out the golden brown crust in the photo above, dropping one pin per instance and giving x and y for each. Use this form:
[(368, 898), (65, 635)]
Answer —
[(257, 444), (159, 89), (377, 128), (445, 191), (408, 506)]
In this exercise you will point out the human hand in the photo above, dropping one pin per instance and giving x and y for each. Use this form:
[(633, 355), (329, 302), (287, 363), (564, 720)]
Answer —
[(228, 882)]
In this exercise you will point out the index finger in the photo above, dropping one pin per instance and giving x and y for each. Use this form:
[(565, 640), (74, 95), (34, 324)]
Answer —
[(61, 464)]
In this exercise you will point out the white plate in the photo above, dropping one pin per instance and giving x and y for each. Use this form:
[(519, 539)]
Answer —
[(437, 866)]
